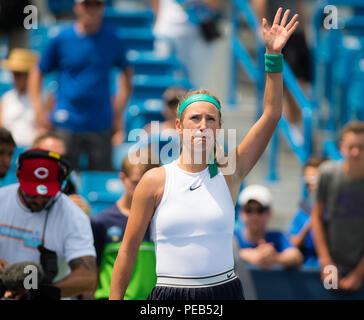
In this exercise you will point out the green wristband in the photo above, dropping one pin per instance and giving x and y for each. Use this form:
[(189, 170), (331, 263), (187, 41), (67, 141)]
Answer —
[(273, 62)]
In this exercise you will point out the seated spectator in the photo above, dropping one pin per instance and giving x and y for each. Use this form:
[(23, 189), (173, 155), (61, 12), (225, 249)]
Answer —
[(263, 248), (167, 129), (109, 227), (7, 147), (51, 141), (170, 98), (16, 112), (301, 227)]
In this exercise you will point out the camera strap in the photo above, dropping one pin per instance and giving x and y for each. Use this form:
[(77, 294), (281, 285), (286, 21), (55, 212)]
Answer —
[(48, 258)]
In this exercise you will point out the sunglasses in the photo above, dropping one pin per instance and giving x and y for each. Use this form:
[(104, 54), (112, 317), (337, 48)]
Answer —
[(95, 4), (259, 210)]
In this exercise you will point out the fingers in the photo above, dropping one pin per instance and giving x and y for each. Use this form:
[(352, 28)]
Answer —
[(277, 18), (265, 24), (285, 18), (293, 28), (292, 23)]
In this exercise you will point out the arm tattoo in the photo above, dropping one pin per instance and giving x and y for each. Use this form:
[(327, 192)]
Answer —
[(88, 262)]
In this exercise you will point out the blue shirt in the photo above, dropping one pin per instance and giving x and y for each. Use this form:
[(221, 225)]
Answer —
[(301, 218), (84, 64), (277, 238)]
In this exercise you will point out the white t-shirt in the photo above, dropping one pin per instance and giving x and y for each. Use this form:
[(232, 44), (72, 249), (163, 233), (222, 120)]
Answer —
[(172, 21), (18, 117), (68, 231)]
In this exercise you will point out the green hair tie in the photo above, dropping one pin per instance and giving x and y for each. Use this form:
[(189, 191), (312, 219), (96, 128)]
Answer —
[(273, 62), (198, 97), (213, 169)]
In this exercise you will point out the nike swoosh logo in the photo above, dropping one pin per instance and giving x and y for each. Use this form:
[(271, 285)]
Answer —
[(191, 189), (229, 275)]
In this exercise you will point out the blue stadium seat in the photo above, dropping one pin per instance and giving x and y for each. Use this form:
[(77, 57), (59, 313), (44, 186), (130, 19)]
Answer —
[(134, 18), (119, 153), (137, 38), (18, 150), (140, 113), (11, 175), (149, 63), (6, 81), (10, 178), (65, 6), (101, 189), (331, 150), (4, 87), (295, 284), (153, 87)]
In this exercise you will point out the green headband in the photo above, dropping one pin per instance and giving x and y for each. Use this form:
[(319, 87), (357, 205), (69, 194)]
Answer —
[(198, 97)]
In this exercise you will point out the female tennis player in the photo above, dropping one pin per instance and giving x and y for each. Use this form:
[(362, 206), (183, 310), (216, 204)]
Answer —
[(190, 203)]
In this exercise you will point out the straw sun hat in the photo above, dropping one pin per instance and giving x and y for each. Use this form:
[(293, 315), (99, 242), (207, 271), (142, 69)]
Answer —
[(20, 60)]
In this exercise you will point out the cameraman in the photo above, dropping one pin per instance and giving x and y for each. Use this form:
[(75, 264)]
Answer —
[(39, 223)]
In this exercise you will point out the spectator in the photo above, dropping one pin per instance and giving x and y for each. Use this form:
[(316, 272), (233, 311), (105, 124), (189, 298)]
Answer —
[(53, 142), (7, 147), (109, 227), (16, 112), (300, 230), (338, 212), (170, 98), (296, 53), (12, 18), (259, 246), (40, 224), (168, 138), (191, 28), (84, 54)]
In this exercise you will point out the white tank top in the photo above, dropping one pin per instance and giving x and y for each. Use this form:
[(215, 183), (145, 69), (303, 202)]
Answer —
[(18, 117), (193, 224)]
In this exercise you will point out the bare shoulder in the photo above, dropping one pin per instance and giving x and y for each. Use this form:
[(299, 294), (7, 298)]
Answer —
[(152, 183), (154, 176)]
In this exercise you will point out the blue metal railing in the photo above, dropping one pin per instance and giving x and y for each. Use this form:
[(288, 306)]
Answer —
[(255, 71), (338, 64)]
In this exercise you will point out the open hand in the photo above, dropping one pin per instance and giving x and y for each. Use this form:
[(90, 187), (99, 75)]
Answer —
[(276, 37), (351, 282)]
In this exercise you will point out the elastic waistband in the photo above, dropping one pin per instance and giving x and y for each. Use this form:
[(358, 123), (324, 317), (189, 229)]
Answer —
[(196, 282)]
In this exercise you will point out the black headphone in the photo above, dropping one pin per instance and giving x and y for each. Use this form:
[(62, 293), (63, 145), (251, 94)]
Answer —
[(64, 165)]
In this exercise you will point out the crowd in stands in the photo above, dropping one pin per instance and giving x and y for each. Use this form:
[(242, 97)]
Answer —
[(82, 117)]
